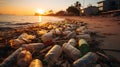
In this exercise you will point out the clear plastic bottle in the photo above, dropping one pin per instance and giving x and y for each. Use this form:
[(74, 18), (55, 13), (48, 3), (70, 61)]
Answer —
[(72, 42), (87, 60), (71, 35), (53, 54), (58, 31), (71, 51), (32, 47), (47, 38), (36, 63)]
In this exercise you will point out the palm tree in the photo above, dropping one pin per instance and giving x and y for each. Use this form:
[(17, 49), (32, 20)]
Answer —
[(77, 5)]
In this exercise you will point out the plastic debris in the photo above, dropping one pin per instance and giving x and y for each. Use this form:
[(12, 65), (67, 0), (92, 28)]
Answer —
[(42, 32), (47, 38), (71, 51), (32, 47), (10, 60), (71, 35), (83, 46), (22, 39), (87, 37), (72, 42), (24, 58), (36, 63), (77, 40), (66, 32), (86, 61), (53, 54)]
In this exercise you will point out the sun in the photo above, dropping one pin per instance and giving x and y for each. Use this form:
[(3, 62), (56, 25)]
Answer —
[(40, 11)]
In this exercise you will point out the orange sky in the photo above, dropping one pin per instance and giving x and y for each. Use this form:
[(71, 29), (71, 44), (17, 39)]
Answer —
[(17, 11), (29, 7)]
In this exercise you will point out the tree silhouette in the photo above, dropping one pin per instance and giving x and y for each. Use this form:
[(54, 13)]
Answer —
[(77, 4), (73, 10)]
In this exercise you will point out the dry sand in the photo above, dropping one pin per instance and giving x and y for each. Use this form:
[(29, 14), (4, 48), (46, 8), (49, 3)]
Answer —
[(110, 27)]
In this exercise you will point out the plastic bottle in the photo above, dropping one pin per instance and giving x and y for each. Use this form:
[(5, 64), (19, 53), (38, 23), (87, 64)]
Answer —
[(47, 38), (71, 35), (16, 43), (87, 60), (66, 32), (32, 47), (58, 31), (71, 51), (72, 42), (53, 54), (36, 63), (22, 39), (83, 46), (87, 37), (11, 58), (24, 58)]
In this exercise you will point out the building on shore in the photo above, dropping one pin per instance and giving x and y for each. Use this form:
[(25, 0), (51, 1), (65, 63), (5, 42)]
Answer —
[(91, 10), (108, 5)]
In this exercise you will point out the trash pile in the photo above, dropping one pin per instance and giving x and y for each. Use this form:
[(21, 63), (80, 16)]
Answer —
[(62, 44)]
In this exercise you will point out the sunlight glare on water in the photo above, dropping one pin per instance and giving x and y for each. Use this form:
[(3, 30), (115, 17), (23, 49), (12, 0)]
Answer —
[(13, 19), (39, 19)]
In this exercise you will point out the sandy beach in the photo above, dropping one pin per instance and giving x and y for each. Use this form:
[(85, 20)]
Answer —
[(108, 26)]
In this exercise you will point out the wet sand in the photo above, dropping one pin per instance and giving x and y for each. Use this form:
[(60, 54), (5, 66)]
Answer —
[(108, 26)]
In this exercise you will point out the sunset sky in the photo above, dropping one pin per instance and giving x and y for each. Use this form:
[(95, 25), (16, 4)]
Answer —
[(28, 7)]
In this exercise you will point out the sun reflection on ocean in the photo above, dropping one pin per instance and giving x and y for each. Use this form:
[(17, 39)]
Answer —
[(39, 19)]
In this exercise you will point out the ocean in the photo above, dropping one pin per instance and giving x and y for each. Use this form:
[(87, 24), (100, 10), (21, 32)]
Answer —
[(14, 20)]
